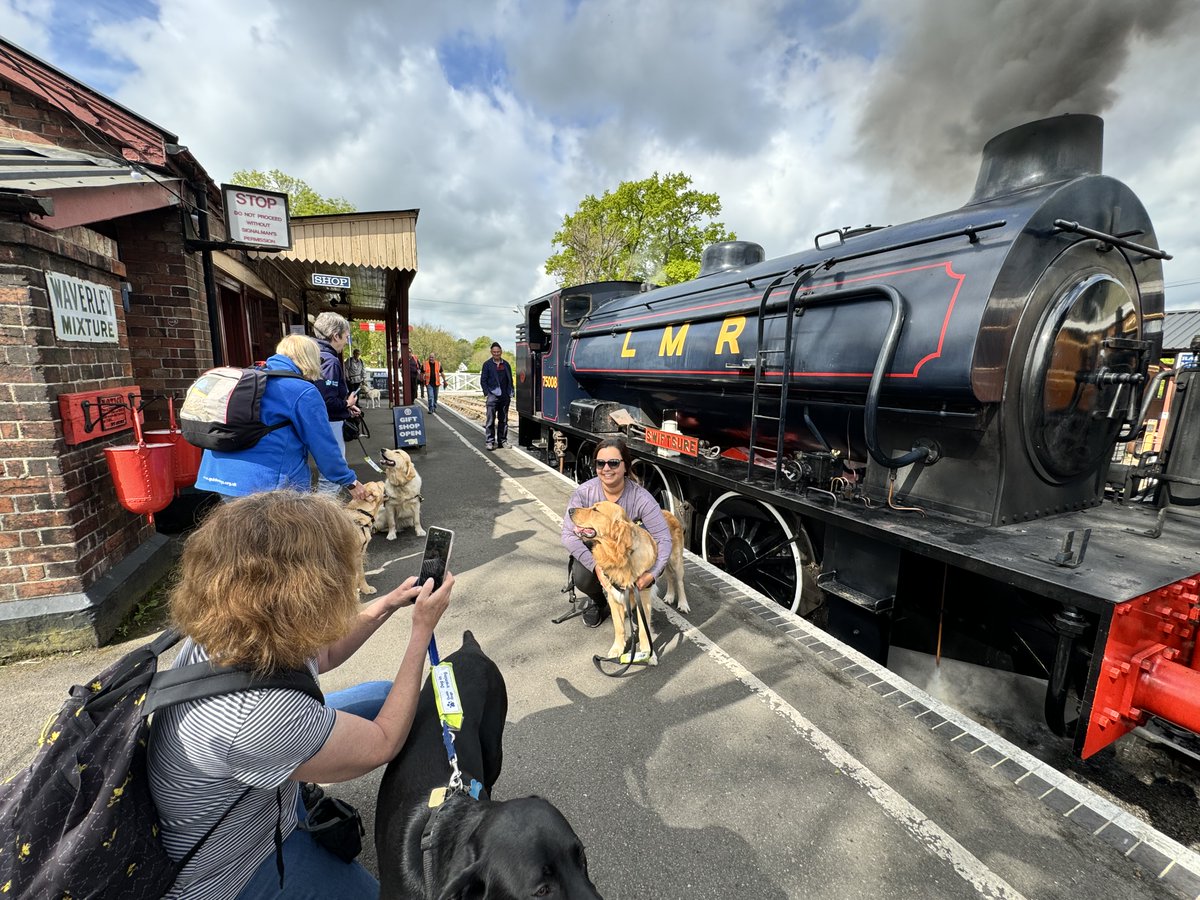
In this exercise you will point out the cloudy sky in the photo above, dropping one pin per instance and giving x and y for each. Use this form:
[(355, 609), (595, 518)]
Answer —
[(496, 118)]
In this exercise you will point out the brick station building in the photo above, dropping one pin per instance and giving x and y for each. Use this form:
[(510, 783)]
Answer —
[(111, 291)]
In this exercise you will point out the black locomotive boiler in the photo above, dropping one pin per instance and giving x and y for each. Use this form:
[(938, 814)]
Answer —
[(908, 431)]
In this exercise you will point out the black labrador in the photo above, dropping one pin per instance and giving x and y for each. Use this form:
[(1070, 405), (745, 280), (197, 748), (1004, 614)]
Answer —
[(477, 848)]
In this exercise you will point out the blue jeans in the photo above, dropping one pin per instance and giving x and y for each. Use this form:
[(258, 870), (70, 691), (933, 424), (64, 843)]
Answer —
[(310, 871), (433, 392)]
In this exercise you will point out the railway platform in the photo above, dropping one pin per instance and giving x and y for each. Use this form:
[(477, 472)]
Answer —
[(760, 759)]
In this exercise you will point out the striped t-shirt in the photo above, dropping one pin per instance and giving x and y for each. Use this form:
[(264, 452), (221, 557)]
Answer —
[(203, 754)]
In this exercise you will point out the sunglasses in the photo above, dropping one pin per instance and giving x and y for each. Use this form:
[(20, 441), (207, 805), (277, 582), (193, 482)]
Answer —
[(611, 463)]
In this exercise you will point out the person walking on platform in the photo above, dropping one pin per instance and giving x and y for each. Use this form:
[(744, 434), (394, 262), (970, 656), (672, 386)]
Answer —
[(356, 371), (496, 380), (333, 334), (614, 482), (435, 378), (416, 374)]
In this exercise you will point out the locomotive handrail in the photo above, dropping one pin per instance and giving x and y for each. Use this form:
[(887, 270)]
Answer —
[(1113, 239), (971, 232)]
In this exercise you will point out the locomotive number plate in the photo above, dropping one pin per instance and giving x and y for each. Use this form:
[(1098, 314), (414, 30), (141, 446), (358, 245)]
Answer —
[(672, 440)]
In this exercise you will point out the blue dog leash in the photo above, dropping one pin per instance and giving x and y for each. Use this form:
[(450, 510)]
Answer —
[(445, 693)]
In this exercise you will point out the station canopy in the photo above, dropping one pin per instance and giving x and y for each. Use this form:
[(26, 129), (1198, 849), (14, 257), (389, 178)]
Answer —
[(377, 251)]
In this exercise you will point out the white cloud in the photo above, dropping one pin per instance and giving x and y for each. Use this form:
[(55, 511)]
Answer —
[(495, 119)]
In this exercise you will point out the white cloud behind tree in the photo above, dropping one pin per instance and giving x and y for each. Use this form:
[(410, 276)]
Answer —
[(496, 119)]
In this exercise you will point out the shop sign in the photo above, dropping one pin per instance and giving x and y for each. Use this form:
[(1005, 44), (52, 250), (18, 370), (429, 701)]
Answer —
[(83, 310), (255, 216), (338, 282)]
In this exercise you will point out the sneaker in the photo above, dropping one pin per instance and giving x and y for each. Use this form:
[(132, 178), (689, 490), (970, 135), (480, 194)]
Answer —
[(593, 614), (489, 447)]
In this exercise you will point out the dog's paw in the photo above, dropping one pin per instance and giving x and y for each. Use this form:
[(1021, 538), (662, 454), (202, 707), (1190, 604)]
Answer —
[(391, 536), (614, 650), (682, 605), (420, 531), (366, 590)]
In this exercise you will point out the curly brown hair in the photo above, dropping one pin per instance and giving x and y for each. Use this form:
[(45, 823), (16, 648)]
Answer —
[(268, 580)]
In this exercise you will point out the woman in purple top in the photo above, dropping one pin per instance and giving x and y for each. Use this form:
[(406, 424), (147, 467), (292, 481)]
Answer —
[(614, 481)]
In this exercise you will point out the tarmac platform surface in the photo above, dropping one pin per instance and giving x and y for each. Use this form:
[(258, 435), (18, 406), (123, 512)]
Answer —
[(760, 759)]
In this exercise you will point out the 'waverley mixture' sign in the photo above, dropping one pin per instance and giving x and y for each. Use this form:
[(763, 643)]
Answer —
[(83, 310)]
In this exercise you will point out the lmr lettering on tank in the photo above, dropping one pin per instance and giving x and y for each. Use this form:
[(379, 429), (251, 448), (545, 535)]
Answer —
[(257, 217)]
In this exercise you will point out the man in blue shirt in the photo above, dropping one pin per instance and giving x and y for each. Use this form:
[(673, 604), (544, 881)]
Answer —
[(496, 380)]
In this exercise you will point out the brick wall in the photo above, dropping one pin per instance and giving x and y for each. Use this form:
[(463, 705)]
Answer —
[(60, 525), (167, 322)]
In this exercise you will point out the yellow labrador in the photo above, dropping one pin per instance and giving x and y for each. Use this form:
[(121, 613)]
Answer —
[(364, 514), (623, 551), (402, 489)]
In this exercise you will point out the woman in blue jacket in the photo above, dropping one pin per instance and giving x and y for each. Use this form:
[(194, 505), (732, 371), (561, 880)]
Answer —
[(280, 458)]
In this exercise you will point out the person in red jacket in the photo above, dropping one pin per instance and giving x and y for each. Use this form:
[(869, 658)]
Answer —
[(434, 378)]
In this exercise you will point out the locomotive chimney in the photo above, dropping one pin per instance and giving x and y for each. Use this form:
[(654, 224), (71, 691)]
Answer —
[(1037, 153)]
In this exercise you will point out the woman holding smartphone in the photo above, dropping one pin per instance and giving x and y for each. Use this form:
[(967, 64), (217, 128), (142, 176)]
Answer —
[(234, 764)]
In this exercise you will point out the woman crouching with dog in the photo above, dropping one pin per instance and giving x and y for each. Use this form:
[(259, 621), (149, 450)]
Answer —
[(267, 584), (614, 481)]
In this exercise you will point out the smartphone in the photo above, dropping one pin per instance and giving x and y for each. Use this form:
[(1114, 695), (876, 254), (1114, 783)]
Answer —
[(437, 555)]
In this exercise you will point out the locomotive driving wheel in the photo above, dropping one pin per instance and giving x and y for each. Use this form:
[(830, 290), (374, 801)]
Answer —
[(755, 544), (585, 461), (662, 486)]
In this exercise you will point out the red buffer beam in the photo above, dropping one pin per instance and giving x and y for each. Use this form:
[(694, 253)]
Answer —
[(1150, 665)]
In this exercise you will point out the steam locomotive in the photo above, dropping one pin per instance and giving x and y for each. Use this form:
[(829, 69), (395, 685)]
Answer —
[(908, 433)]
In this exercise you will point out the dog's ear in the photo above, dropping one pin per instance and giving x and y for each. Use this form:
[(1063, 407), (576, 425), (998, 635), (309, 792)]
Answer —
[(619, 530), (469, 884)]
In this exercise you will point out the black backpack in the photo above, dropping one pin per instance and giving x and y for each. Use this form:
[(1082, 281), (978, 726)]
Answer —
[(79, 821), (223, 408)]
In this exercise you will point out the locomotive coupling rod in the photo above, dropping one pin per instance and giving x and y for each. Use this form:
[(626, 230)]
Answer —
[(1114, 240)]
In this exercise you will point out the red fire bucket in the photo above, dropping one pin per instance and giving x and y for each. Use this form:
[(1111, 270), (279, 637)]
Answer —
[(144, 475), (187, 456)]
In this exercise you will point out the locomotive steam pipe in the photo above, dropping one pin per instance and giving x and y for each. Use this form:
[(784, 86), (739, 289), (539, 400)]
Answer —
[(882, 364)]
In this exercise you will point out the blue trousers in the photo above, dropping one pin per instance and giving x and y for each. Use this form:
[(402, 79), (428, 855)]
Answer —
[(433, 392), (310, 871)]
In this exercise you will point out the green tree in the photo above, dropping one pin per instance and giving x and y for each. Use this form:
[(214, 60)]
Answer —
[(649, 230), (302, 199)]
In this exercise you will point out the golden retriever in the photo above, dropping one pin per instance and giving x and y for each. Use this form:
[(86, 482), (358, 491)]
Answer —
[(623, 551), (402, 488), (364, 513)]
